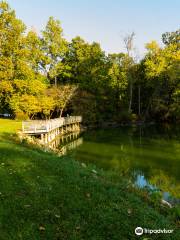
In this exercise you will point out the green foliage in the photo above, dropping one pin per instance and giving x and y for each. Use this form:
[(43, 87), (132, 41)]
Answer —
[(124, 116), (55, 47), (27, 104), (162, 70), (21, 116), (110, 87), (61, 96), (176, 212), (47, 104), (156, 197), (171, 38), (35, 53), (85, 102)]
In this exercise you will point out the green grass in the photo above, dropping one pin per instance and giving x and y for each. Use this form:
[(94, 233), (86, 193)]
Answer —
[(43, 196)]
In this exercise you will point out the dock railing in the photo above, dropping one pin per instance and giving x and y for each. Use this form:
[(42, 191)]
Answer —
[(45, 126)]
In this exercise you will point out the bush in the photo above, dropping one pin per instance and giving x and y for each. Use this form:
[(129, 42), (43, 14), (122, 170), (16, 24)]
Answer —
[(124, 116), (134, 117)]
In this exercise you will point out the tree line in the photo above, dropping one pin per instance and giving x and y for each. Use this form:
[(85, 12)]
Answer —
[(45, 76)]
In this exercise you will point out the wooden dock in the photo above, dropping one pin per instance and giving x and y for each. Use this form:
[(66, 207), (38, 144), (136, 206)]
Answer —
[(48, 130)]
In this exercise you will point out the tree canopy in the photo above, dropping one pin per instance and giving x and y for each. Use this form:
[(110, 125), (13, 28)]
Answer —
[(44, 75)]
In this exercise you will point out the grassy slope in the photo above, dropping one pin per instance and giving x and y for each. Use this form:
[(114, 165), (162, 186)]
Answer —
[(43, 196)]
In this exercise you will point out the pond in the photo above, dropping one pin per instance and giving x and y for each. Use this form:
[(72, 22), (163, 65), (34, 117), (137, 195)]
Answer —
[(148, 155)]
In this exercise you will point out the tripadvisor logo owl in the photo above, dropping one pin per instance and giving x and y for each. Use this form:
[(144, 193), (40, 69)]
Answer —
[(138, 231)]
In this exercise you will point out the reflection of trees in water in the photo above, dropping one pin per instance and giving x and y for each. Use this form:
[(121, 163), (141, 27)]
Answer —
[(66, 143), (165, 183), (133, 152), (161, 131), (150, 151), (152, 174)]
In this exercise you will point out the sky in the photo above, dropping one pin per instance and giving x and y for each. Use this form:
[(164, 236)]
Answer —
[(104, 21)]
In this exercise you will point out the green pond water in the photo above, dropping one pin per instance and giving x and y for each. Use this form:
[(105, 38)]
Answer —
[(148, 155)]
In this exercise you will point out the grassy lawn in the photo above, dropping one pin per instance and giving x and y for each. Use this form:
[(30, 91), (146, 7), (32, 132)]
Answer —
[(43, 196)]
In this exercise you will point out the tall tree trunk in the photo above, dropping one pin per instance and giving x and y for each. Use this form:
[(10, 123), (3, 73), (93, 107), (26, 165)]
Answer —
[(130, 96), (32, 116), (55, 81), (51, 114), (61, 112), (150, 102), (139, 100)]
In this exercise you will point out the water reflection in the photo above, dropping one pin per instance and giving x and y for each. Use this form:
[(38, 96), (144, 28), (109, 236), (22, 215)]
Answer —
[(63, 144), (149, 156), (167, 194)]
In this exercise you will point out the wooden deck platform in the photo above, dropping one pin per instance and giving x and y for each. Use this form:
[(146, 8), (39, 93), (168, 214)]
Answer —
[(50, 129), (45, 126)]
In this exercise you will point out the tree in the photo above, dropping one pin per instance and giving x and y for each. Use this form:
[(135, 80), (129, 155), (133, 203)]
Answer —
[(117, 73), (171, 38), (6, 90), (128, 42), (11, 51), (162, 69), (61, 95), (11, 42), (55, 47), (86, 80), (26, 95), (26, 104), (36, 57), (47, 104)]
